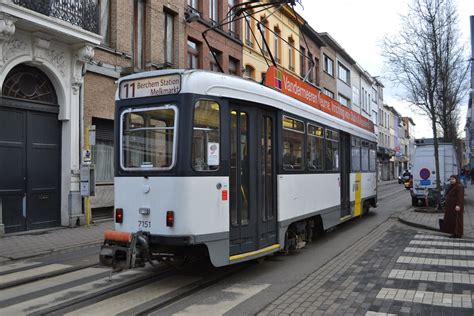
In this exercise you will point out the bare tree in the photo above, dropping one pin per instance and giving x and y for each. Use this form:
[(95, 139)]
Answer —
[(453, 69), (418, 60)]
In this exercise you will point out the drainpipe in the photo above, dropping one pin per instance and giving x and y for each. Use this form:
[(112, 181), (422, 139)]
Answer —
[(81, 131)]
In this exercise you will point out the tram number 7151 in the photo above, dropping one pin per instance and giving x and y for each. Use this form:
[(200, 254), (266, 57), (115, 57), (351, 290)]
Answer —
[(144, 224)]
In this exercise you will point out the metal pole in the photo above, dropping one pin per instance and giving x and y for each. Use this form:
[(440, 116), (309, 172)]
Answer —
[(87, 198), (470, 130)]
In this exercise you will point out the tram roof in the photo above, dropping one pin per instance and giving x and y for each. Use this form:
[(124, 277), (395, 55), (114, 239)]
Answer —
[(224, 85)]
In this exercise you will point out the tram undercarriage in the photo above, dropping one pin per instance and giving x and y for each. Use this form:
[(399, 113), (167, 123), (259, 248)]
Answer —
[(123, 250)]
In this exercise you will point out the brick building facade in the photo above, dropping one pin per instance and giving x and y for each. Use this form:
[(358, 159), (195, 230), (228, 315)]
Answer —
[(147, 35)]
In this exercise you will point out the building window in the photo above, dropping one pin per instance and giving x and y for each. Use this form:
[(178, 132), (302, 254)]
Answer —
[(355, 95), (344, 101), (302, 62), (316, 71), (328, 65), (248, 30), (366, 102), (276, 44), (329, 93), (103, 151), (291, 54), (311, 68), (169, 38), (266, 37), (232, 23), (343, 73), (213, 62), (105, 21), (193, 54), (139, 34), (193, 4), (214, 11), (249, 72), (233, 66)]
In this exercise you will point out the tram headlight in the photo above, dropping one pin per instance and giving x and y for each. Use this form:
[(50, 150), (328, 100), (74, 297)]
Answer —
[(119, 215), (169, 218)]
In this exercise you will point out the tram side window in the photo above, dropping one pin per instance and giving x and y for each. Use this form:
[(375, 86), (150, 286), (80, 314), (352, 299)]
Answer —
[(315, 148), (148, 138), (332, 150), (206, 136), (293, 143), (372, 157), (355, 154), (365, 155)]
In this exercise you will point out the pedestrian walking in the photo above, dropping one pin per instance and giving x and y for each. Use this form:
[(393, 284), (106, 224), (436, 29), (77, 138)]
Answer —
[(453, 215), (463, 178)]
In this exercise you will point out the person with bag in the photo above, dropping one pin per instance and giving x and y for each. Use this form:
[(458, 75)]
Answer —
[(453, 222)]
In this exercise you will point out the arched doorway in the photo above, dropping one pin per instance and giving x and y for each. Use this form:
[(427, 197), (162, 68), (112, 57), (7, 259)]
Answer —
[(30, 135)]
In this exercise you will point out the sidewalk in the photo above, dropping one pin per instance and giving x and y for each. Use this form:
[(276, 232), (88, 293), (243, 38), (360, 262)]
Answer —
[(37, 243), (430, 221)]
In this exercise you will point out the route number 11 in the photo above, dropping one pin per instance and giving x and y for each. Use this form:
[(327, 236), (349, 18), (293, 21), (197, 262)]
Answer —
[(129, 89)]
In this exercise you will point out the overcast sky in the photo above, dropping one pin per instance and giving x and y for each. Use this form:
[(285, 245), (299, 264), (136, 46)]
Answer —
[(359, 26)]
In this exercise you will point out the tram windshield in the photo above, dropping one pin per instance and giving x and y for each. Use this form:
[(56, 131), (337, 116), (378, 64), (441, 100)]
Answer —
[(148, 138)]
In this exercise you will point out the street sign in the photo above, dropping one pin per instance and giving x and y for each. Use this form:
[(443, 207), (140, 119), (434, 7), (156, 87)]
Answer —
[(425, 173)]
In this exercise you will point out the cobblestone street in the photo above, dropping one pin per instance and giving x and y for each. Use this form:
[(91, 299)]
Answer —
[(402, 272)]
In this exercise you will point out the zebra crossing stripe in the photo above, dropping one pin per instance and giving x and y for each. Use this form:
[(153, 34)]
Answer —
[(436, 261), (440, 251), (437, 237), (444, 277), (442, 243), (41, 285), (426, 297), (233, 296), (17, 265), (370, 313), (21, 275), (128, 300)]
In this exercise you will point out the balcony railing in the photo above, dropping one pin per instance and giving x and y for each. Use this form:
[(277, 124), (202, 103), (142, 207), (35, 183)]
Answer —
[(83, 13)]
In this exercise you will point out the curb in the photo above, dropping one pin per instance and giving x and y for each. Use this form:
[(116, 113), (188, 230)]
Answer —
[(418, 225)]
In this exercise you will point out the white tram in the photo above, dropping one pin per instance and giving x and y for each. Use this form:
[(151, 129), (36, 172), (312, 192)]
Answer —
[(220, 166)]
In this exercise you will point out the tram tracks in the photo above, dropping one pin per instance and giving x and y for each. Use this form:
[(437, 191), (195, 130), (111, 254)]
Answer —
[(147, 295), (86, 289)]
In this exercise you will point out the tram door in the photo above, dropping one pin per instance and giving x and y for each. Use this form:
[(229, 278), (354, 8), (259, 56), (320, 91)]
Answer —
[(345, 143), (253, 222)]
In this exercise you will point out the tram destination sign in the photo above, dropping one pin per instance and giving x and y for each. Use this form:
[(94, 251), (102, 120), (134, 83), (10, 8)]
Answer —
[(304, 92), (149, 87)]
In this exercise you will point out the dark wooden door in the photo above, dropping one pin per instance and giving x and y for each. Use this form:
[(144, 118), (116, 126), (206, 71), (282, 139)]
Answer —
[(30, 167), (42, 167), (12, 168)]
